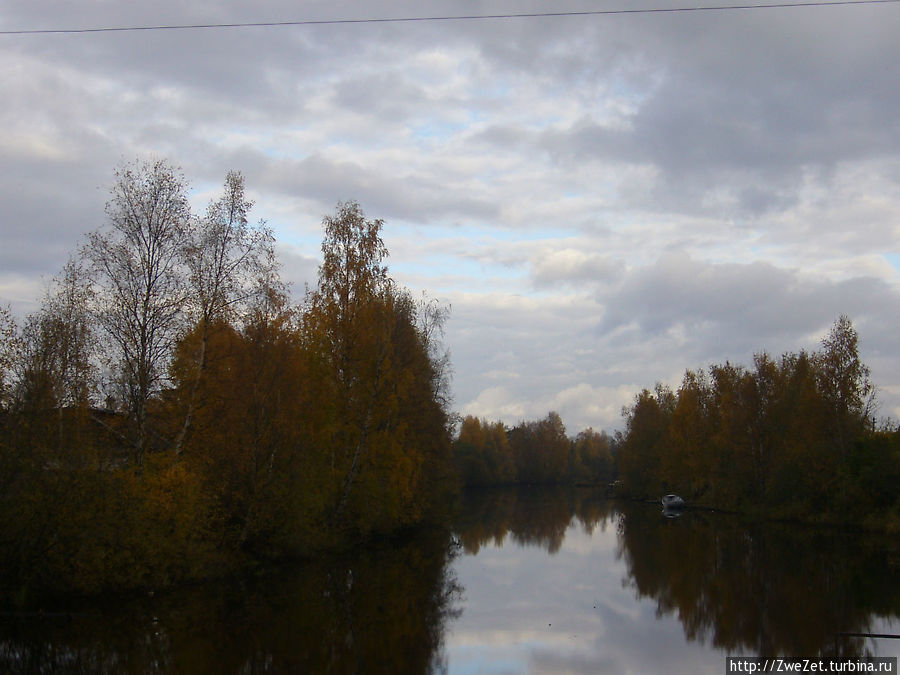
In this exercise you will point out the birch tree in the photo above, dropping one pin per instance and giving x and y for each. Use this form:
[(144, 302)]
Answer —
[(346, 329), (141, 285), (844, 382), (229, 262), (381, 375), (9, 348), (57, 348)]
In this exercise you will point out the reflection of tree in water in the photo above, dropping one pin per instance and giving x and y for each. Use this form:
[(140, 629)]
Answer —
[(767, 590), (530, 516), (379, 611), (764, 589)]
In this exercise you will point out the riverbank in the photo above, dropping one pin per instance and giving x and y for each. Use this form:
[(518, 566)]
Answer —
[(873, 523)]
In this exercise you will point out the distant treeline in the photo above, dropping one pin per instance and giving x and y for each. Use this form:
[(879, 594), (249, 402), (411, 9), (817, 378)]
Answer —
[(789, 438), (488, 453), (793, 438), (168, 414)]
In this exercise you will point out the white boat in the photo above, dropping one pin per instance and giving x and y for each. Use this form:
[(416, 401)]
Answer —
[(672, 502)]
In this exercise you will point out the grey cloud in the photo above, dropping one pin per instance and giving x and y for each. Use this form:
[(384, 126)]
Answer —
[(42, 225), (507, 137), (412, 197), (749, 103), (734, 309), (384, 95), (298, 270)]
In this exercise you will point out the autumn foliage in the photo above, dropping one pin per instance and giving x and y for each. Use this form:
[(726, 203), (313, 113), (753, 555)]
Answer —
[(145, 441), (533, 452), (791, 437)]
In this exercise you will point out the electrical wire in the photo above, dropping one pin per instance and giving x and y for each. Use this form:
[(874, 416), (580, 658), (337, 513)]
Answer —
[(467, 17)]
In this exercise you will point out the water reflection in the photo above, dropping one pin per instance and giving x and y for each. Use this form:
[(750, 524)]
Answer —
[(530, 517), (378, 611), (770, 589), (622, 581), (530, 581)]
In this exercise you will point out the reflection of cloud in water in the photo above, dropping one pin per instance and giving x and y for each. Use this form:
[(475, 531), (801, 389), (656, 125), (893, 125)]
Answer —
[(612, 600), (563, 613)]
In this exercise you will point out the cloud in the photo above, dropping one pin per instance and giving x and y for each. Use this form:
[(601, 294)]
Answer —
[(586, 353), (497, 403), (573, 266), (727, 303), (572, 619), (298, 270), (604, 201)]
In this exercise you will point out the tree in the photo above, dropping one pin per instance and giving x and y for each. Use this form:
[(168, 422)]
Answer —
[(844, 382), (642, 451), (431, 318), (482, 453), (229, 262), (56, 367), (347, 330), (787, 436), (373, 363), (352, 271), (541, 450), (10, 351), (141, 289), (9, 348), (252, 440), (469, 453), (555, 445), (592, 458), (687, 463)]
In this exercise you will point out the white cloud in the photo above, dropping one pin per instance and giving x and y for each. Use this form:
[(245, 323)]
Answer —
[(573, 266), (496, 403)]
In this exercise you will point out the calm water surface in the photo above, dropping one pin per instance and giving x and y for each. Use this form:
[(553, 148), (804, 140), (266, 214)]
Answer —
[(605, 587), (544, 581)]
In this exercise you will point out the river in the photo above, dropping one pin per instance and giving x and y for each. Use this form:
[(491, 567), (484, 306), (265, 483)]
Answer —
[(525, 581)]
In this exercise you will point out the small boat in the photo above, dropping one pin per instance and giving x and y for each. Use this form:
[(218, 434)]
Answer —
[(672, 502)]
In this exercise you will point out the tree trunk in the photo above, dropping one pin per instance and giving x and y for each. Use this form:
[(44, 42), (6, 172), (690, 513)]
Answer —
[(192, 397)]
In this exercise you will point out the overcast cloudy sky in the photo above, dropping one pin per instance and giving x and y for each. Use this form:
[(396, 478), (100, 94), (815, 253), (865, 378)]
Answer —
[(604, 200)]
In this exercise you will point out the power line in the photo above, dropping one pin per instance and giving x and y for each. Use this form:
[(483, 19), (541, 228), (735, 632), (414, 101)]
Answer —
[(467, 17)]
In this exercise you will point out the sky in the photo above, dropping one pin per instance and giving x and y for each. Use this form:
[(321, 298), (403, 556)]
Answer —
[(603, 200)]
